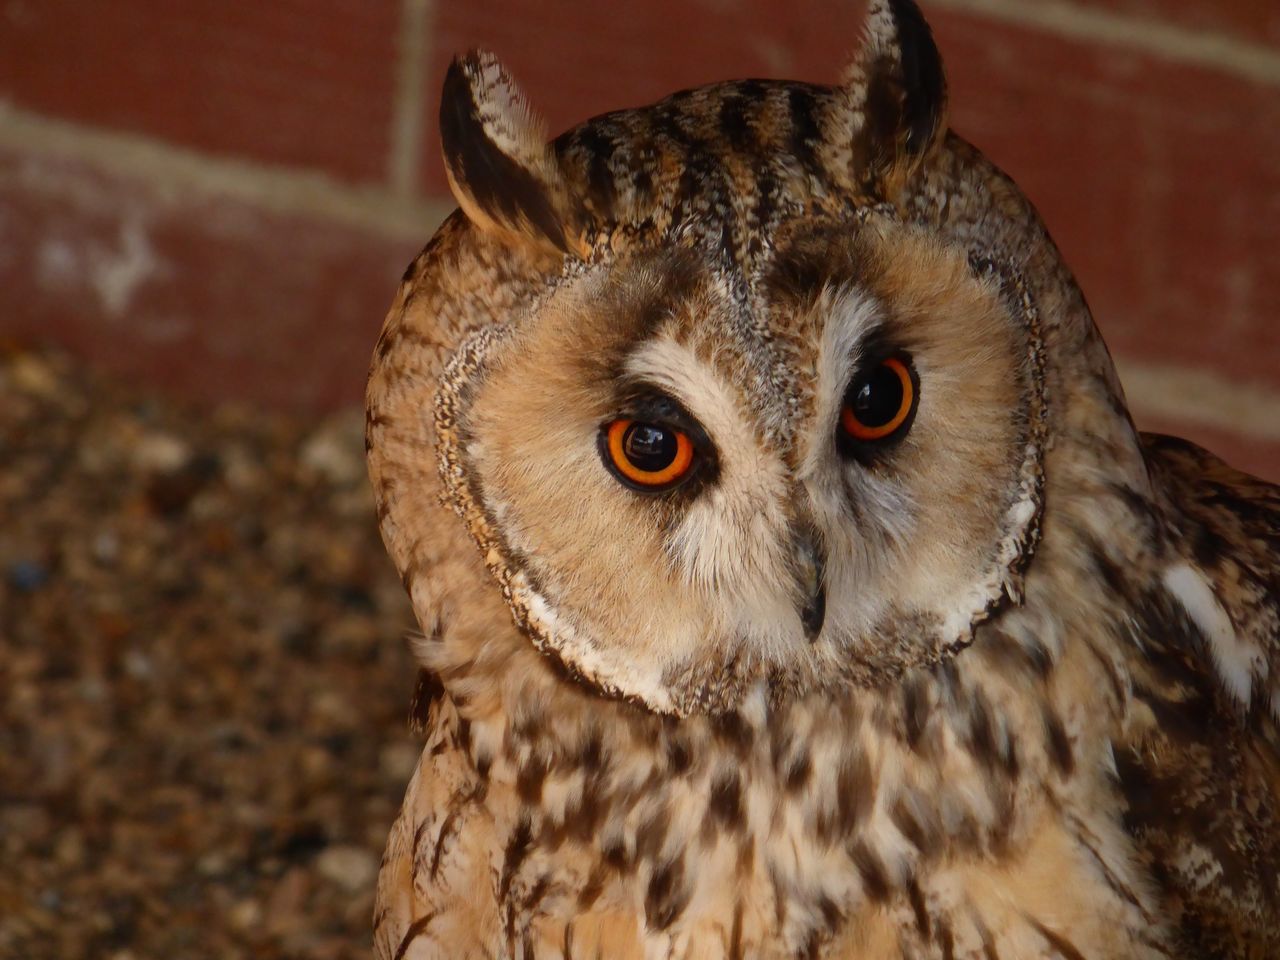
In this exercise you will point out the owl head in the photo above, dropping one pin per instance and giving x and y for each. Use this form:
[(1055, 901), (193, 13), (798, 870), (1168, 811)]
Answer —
[(747, 390)]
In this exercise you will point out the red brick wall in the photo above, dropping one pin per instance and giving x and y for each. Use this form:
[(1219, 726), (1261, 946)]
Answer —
[(306, 83), (218, 195), (1248, 20)]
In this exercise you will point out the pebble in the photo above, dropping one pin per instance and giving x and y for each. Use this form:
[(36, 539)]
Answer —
[(31, 374), (398, 760), (28, 576), (160, 453), (351, 868), (105, 547), (245, 914), (336, 452), (138, 665), (201, 631)]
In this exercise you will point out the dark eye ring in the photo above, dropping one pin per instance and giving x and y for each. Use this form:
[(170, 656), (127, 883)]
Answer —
[(880, 403), (650, 457)]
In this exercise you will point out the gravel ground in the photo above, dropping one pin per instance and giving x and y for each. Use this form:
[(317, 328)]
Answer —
[(203, 684)]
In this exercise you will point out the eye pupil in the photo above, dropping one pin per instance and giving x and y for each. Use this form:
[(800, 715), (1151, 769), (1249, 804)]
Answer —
[(880, 403), (646, 456), (650, 447), (879, 399)]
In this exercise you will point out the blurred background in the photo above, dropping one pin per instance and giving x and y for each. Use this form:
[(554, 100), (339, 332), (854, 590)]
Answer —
[(205, 207)]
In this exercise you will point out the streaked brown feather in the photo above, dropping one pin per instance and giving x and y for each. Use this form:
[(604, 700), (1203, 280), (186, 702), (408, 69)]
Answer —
[(1200, 772)]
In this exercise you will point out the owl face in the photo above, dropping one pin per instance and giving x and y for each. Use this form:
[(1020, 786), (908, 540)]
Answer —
[(720, 414), (705, 479)]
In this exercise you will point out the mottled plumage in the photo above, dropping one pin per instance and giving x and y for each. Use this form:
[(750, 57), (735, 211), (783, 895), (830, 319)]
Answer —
[(1004, 685)]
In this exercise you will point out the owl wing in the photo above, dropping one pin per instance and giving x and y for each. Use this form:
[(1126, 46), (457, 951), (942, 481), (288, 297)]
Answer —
[(435, 890), (1228, 524), (1200, 762)]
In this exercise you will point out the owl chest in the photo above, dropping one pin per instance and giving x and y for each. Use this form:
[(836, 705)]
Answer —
[(800, 847)]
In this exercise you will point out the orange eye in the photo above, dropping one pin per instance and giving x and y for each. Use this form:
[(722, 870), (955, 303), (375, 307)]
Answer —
[(880, 403), (647, 456)]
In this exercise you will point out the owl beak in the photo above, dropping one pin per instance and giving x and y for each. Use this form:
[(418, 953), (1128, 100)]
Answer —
[(811, 570)]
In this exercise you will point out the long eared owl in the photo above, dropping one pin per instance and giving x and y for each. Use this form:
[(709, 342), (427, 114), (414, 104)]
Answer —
[(792, 579)]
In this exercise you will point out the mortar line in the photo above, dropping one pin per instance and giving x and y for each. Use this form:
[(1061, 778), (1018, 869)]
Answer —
[(1214, 50), (1202, 396), (408, 115), (172, 172)]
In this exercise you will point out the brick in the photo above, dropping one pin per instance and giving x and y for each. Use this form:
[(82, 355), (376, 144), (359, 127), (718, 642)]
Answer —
[(1252, 21), (202, 295), (296, 82), (1160, 183)]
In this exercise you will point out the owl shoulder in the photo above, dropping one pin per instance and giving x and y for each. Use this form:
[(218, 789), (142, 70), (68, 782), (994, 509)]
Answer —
[(1199, 762), (1227, 523)]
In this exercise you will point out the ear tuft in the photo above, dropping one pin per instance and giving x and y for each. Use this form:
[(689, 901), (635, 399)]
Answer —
[(898, 86), (500, 167)]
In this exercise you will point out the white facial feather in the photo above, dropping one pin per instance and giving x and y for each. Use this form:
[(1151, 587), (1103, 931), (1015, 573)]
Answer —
[(731, 543)]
